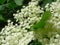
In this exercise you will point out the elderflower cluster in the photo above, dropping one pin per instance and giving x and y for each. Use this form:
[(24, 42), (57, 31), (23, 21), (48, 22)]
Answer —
[(18, 34), (14, 35), (29, 15), (54, 7), (55, 40)]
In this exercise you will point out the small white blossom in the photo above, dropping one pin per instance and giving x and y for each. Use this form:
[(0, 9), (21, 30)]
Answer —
[(54, 7), (18, 34), (54, 41)]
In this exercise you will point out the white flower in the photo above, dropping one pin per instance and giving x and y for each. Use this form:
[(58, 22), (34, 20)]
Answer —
[(18, 34), (29, 14), (54, 41), (54, 8), (14, 35)]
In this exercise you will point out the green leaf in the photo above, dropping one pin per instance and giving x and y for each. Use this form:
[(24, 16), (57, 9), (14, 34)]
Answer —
[(18, 2), (2, 7), (35, 42), (12, 5), (43, 20), (46, 15), (2, 1), (1, 18)]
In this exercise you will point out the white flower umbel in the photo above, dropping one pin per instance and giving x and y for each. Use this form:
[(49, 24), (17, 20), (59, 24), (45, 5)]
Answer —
[(29, 15), (54, 7), (18, 34), (55, 40), (14, 35)]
